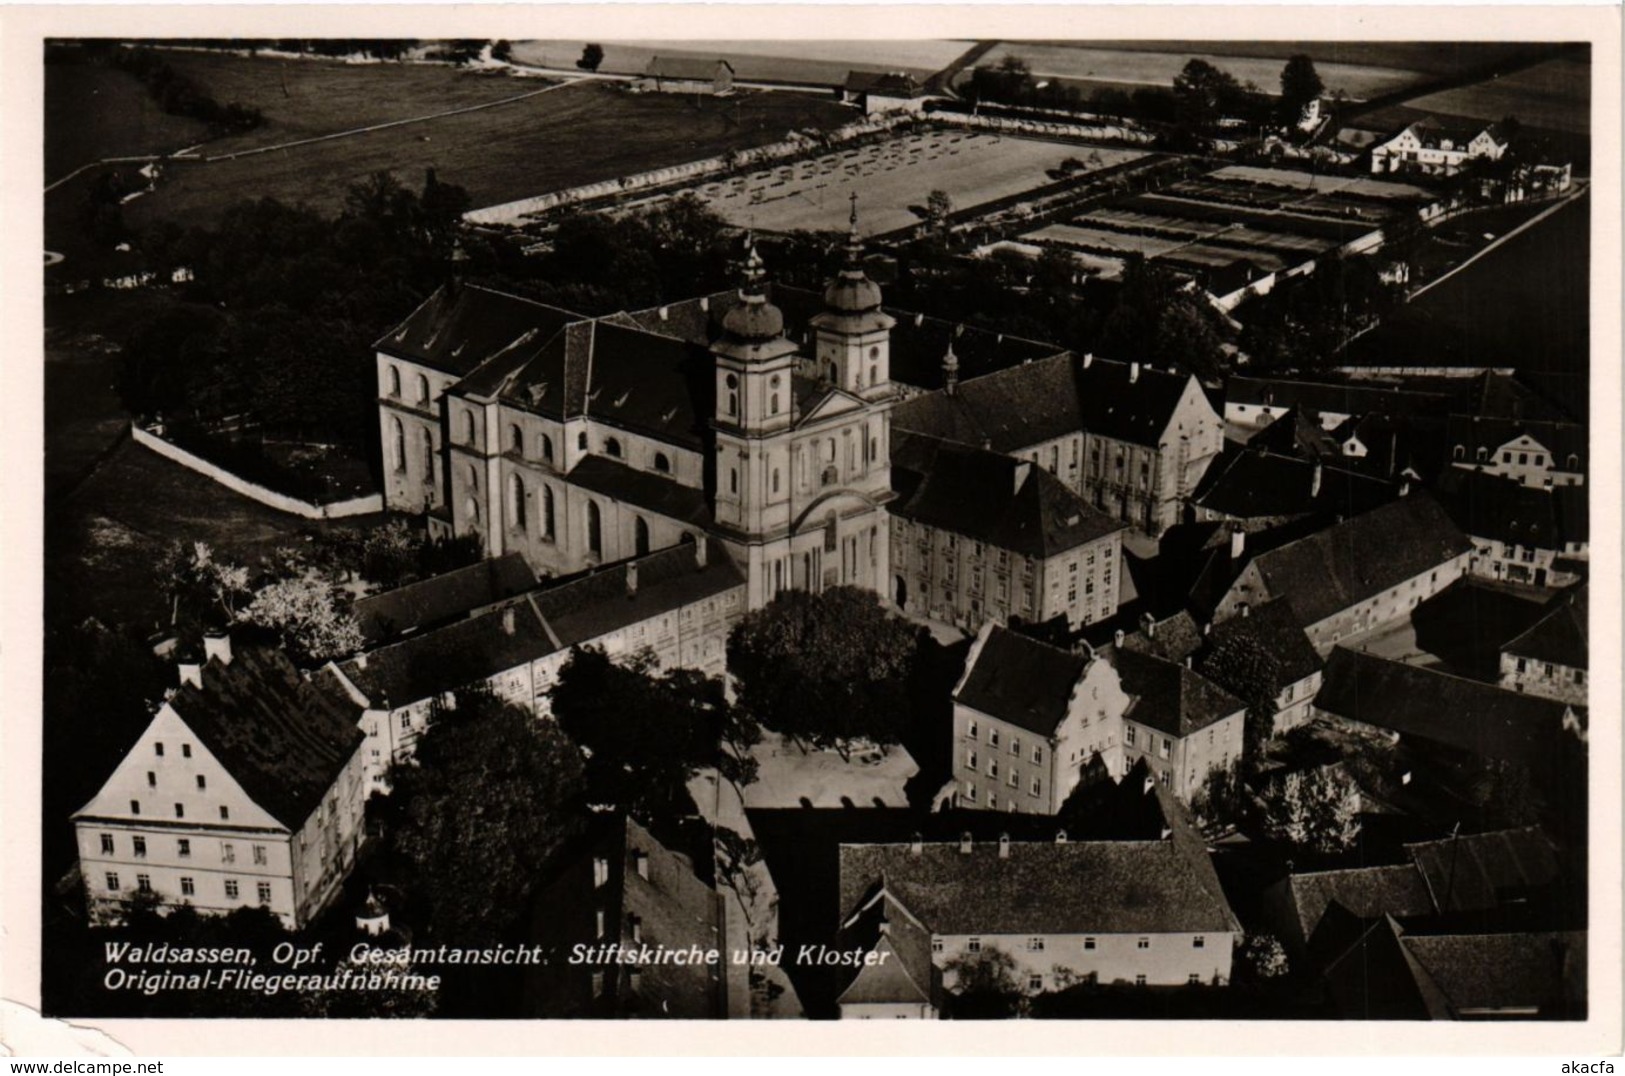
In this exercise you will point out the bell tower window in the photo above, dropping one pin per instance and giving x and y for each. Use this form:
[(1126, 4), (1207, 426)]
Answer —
[(732, 383)]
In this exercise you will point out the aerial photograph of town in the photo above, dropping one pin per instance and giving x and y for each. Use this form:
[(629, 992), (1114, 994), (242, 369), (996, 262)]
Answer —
[(816, 529)]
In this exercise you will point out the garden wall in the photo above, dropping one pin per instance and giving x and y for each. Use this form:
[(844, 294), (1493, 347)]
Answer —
[(356, 506)]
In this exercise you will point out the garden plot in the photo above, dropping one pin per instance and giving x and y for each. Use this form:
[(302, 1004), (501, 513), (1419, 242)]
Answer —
[(1308, 181), (1101, 240), (893, 179), (1210, 256)]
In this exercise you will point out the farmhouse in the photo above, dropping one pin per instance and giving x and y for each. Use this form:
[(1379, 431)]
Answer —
[(246, 789), (1255, 489), (1534, 452), (1552, 657), (976, 534), (687, 74), (1521, 534), (1148, 912), (1435, 150), (1273, 629), (893, 91)]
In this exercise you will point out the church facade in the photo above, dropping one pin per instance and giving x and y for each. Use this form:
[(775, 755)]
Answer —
[(578, 441)]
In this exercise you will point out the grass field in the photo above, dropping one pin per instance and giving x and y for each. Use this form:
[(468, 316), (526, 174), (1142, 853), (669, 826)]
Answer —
[(1555, 94), (891, 177), (1525, 304), (1430, 57), (579, 133), (1122, 67), (824, 62), (92, 112)]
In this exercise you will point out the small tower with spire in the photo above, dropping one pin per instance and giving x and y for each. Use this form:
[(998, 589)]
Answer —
[(853, 333), (950, 370)]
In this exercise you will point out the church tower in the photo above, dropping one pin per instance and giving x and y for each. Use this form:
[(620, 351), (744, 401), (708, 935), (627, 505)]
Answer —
[(853, 333)]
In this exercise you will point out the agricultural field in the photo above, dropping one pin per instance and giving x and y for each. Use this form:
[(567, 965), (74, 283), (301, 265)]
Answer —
[(93, 112), (1439, 58), (1120, 68), (1555, 94), (572, 134), (824, 62), (893, 178)]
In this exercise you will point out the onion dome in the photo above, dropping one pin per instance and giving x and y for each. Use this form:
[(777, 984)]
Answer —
[(753, 319), (852, 292)]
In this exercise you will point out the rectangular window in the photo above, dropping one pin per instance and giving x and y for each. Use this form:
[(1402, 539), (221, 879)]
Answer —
[(263, 890), (1128, 735), (135, 806), (1037, 787), (1194, 979), (1015, 746), (993, 737), (202, 781), (259, 855), (180, 810), (970, 759), (1139, 980), (1165, 746), (1143, 943), (152, 779), (1038, 754), (143, 883), (1015, 777), (231, 889), (1198, 942), (107, 844), (1035, 982), (972, 731), (139, 844), (225, 812), (936, 944), (228, 852), (973, 945), (600, 872), (1035, 944), (1088, 943), (188, 887), (183, 847), (158, 749), (186, 750), (992, 767)]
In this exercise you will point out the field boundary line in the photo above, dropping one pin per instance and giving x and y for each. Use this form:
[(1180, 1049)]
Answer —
[(385, 126), (1493, 244)]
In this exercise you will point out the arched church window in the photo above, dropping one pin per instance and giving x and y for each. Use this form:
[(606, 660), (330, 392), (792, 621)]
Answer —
[(829, 477), (595, 530), (640, 536), (398, 443), (581, 440), (428, 453), (733, 394), (468, 426), (394, 380), (516, 439), (874, 374), (516, 501), (612, 447), (547, 448), (547, 513), (1459, 453), (423, 389), (473, 478), (830, 533), (773, 395), (874, 352), (662, 463), (1573, 462)]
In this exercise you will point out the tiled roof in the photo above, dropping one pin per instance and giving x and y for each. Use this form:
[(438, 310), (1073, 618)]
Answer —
[(989, 497), (1466, 975), (1483, 870), (1273, 628), (1172, 639), (904, 973), (890, 83), (459, 327), (685, 67), (1365, 891), (430, 663), (1561, 636), (1050, 398), (1168, 696), (1334, 397), (1246, 483), (283, 738), (1295, 434), (1492, 506), (1560, 439), (1042, 887), (1465, 714), (442, 597), (1358, 559), (1432, 136), (642, 489), (587, 607), (1022, 681)]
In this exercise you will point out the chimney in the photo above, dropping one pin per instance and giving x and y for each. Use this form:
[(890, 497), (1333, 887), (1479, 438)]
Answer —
[(699, 551), (1314, 481), (1023, 469), (885, 927), (1133, 372), (1150, 784), (1004, 846), (1238, 543), (919, 319), (1405, 488), (1207, 629), (1405, 778), (1148, 624), (1060, 836), (1189, 658), (192, 673), (632, 579), (664, 311), (217, 645), (964, 843), (705, 303), (1088, 359), (361, 660), (508, 623), (1117, 637), (916, 845)]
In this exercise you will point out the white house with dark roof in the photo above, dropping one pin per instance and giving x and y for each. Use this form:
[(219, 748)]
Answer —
[(1273, 629), (246, 789), (1435, 150), (687, 74), (976, 535), (1533, 535), (1552, 657)]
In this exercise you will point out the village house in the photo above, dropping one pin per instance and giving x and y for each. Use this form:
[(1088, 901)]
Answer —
[(687, 74), (978, 535), (1539, 453), (245, 790), (677, 605), (441, 599), (1258, 401), (883, 91), (1131, 440), (1434, 150), (1183, 725), (1257, 488), (1538, 536), (577, 441), (1272, 629), (1551, 658), (620, 890), (1357, 575), (1143, 912)]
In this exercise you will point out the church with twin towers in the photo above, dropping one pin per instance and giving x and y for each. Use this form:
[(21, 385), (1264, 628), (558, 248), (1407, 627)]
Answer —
[(577, 441)]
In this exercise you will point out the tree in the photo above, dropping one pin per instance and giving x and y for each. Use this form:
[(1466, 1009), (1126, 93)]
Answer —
[(202, 589), (1220, 801), (304, 612), (985, 986), (1157, 319), (1300, 87), (938, 205), (502, 51), (1260, 958), (1240, 664), (1316, 810), (591, 56), (491, 794), (1202, 94), (829, 668)]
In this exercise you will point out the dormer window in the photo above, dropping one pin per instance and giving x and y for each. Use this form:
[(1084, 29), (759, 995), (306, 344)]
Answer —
[(662, 463), (612, 448)]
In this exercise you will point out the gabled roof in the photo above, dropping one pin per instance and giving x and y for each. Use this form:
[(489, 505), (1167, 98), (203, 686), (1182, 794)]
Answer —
[(441, 597), (1365, 891), (643, 489), (886, 83), (587, 607), (1492, 506), (1294, 433), (1561, 636), (1041, 887), (1334, 397), (1433, 136), (1173, 639), (1462, 976), (430, 663), (1168, 696), (1465, 714), (283, 738), (460, 326), (685, 67), (1483, 870), (1358, 559), (1560, 439), (1022, 681), (1274, 629), (1247, 483), (989, 497), (903, 973)]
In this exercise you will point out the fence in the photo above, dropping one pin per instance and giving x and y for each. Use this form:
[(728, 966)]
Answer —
[(355, 506)]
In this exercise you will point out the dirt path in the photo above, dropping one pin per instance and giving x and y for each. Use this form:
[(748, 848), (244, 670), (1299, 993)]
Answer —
[(943, 81)]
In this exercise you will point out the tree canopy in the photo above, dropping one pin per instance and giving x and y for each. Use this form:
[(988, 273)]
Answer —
[(1158, 320), (829, 668), (1300, 87)]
